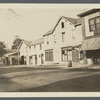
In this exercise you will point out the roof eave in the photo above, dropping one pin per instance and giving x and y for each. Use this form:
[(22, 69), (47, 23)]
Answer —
[(88, 12)]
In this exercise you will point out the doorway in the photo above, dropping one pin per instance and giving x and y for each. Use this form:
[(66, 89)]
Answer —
[(42, 59), (35, 59)]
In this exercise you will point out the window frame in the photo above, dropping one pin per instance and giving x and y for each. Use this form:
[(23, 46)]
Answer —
[(64, 49), (40, 46), (62, 25), (94, 23), (49, 55), (63, 37)]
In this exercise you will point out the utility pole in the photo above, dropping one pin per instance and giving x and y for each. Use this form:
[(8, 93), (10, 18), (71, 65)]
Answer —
[(18, 50)]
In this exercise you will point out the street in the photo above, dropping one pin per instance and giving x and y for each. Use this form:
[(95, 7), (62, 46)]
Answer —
[(24, 78)]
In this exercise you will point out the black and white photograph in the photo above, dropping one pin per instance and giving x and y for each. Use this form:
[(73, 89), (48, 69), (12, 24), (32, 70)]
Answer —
[(49, 48)]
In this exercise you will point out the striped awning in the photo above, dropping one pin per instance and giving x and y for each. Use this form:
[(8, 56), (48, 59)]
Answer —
[(91, 44)]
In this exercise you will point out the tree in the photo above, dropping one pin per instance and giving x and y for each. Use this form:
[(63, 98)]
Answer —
[(2, 48), (16, 42)]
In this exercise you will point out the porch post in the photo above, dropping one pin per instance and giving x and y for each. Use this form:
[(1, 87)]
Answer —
[(10, 60), (85, 57), (18, 58)]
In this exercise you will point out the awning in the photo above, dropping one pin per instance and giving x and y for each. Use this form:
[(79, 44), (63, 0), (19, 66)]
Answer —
[(91, 44), (8, 54)]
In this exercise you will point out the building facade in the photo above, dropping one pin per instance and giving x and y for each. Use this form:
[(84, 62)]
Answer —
[(24, 52), (11, 57), (36, 56), (71, 40), (91, 47), (62, 43)]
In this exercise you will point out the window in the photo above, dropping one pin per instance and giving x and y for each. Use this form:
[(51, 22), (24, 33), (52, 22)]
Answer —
[(64, 54), (34, 47), (40, 46), (54, 38), (26, 49), (97, 23), (69, 55), (94, 23), (49, 55), (62, 24), (75, 54), (47, 42), (63, 36)]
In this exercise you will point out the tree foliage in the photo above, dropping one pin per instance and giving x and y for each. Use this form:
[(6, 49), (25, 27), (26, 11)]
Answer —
[(2, 48), (16, 43)]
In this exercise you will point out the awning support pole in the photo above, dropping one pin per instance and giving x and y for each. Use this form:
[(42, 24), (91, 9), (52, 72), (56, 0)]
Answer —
[(85, 57)]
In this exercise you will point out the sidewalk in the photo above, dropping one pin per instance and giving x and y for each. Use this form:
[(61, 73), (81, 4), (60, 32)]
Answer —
[(83, 66)]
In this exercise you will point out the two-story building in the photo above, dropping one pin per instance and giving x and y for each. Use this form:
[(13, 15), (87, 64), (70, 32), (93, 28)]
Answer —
[(36, 56), (24, 52), (62, 43), (49, 47), (91, 30)]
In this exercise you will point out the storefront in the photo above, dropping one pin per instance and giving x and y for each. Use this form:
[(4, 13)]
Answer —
[(70, 54), (91, 51)]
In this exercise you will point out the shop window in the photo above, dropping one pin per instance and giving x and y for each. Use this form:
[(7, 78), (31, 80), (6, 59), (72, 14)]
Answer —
[(64, 54), (70, 55), (75, 55), (49, 55), (81, 55)]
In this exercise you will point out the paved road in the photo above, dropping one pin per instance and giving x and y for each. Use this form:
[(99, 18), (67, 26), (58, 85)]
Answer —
[(22, 77)]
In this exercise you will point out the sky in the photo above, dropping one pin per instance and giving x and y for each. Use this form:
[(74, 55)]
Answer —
[(31, 22)]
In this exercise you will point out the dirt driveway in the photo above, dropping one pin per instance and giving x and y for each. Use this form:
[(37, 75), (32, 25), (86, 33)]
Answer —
[(16, 78)]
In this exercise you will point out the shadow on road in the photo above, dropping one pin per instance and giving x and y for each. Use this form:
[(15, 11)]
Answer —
[(82, 84)]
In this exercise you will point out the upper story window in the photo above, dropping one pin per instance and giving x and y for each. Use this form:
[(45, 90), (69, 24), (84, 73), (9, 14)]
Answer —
[(34, 47), (30, 48), (47, 42), (62, 24), (54, 38), (63, 37), (23, 50), (94, 23), (26, 49), (40, 46)]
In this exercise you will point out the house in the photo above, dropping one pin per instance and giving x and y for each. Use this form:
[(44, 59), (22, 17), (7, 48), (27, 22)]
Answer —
[(62, 43), (91, 29), (11, 57), (24, 52), (49, 47), (37, 52)]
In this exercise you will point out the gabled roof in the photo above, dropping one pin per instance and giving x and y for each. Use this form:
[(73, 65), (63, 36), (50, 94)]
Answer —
[(87, 12), (27, 42), (49, 32), (72, 20), (78, 21), (35, 42)]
